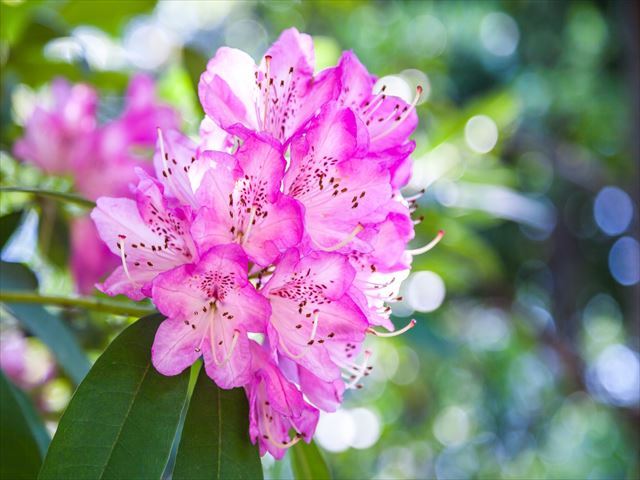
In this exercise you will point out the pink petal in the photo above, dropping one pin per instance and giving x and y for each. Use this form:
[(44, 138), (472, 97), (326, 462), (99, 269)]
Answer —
[(174, 347), (227, 89), (173, 169)]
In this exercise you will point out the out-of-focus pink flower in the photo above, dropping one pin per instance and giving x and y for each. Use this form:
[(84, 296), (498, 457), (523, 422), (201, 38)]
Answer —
[(13, 351), (90, 257), (27, 363), (53, 135), (102, 159)]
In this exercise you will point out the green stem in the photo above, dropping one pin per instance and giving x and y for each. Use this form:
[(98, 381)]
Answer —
[(60, 196), (96, 304)]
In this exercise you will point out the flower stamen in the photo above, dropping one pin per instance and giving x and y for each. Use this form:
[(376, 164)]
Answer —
[(234, 342), (428, 246), (362, 371), (124, 262), (401, 118), (406, 328), (346, 240)]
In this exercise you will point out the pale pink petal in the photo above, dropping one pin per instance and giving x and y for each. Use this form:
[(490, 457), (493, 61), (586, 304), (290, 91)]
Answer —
[(174, 347), (228, 91), (174, 155)]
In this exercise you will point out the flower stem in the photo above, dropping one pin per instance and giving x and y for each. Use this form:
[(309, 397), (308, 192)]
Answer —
[(60, 196), (95, 304)]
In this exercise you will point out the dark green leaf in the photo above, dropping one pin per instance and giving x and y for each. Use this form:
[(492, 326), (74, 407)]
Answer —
[(308, 463), (8, 224), (215, 441), (122, 420), (23, 437), (194, 63), (47, 327)]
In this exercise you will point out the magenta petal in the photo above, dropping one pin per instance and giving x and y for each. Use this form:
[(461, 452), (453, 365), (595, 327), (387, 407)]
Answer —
[(325, 395)]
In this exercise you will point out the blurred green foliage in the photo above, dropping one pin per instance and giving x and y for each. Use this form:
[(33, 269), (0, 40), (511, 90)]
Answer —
[(507, 378)]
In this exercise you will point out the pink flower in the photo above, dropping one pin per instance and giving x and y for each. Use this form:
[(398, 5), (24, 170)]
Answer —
[(53, 135), (389, 120), (66, 139), (149, 234), (277, 96), (28, 363), (241, 202), (284, 223), (90, 256), (314, 321), (337, 193), (276, 406), (210, 307)]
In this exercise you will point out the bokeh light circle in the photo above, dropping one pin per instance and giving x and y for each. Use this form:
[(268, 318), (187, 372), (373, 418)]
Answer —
[(613, 210), (481, 133), (624, 261)]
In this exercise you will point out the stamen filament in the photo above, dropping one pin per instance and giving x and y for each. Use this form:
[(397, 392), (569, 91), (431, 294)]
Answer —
[(124, 261), (267, 61), (403, 117), (344, 242), (415, 197), (406, 328), (428, 246), (234, 342), (288, 444), (362, 369), (375, 102), (315, 325), (289, 353), (252, 216)]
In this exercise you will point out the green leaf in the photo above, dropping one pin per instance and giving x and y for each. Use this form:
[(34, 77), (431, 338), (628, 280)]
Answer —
[(53, 235), (122, 420), (59, 196), (308, 463), (215, 441), (9, 224), (47, 327), (107, 15), (23, 437)]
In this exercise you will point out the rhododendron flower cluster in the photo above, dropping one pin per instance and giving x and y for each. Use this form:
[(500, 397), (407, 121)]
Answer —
[(275, 244), (65, 138)]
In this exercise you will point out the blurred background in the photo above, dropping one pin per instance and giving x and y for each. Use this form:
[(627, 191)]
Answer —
[(525, 360)]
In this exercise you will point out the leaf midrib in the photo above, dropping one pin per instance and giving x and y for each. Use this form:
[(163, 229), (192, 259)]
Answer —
[(133, 401)]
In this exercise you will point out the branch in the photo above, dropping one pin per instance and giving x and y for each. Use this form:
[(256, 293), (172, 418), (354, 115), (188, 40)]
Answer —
[(95, 304), (60, 196)]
